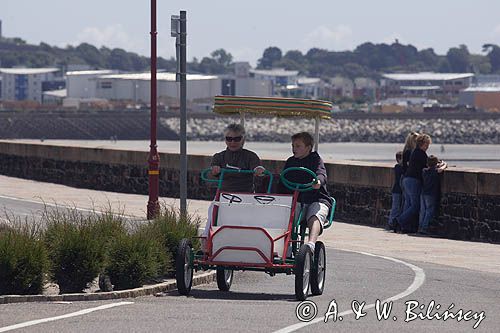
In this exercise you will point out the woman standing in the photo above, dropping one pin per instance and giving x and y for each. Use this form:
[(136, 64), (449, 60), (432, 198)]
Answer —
[(412, 183)]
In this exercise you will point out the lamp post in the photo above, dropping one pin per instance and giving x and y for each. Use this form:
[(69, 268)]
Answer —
[(153, 207)]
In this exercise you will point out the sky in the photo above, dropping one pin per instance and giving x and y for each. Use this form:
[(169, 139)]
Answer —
[(246, 28)]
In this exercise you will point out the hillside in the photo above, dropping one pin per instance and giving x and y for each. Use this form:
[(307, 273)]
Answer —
[(366, 60)]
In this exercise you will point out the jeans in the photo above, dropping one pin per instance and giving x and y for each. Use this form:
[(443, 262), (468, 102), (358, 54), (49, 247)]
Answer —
[(412, 188), (427, 209), (396, 207)]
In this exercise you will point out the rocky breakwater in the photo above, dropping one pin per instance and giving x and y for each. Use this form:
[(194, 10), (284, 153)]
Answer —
[(452, 131)]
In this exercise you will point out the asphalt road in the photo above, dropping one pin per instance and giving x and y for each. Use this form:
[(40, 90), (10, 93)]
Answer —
[(259, 303)]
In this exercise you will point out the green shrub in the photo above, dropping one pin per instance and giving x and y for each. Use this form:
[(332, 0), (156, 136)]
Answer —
[(170, 227), (107, 227), (79, 244), (74, 249), (135, 259), (23, 262)]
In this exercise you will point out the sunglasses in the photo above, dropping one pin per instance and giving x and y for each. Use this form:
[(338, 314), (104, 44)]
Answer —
[(233, 138)]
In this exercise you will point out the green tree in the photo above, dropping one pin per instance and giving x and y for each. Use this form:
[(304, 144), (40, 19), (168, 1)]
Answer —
[(222, 57), (90, 54), (119, 59), (493, 56), (458, 58), (270, 55), (295, 56)]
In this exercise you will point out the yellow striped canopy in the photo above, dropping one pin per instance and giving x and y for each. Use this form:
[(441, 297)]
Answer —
[(277, 106)]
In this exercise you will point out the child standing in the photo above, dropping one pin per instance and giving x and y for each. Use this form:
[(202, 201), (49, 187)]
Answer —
[(397, 193), (430, 192)]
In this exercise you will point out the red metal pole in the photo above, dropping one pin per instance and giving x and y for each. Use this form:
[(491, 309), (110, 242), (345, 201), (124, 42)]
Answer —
[(153, 159)]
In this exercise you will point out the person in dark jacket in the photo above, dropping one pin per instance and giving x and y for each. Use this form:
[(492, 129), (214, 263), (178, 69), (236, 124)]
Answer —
[(397, 194), (317, 202), (430, 192), (233, 157), (236, 157), (412, 184)]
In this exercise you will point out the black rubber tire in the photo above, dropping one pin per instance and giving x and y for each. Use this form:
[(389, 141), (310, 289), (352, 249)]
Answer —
[(318, 269), (302, 267), (223, 281), (183, 270)]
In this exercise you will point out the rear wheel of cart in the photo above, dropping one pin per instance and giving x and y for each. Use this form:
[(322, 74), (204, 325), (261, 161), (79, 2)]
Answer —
[(224, 279), (183, 269), (318, 269), (302, 269)]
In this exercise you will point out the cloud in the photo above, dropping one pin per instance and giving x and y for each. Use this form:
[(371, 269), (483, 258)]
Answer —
[(496, 31), (112, 36), (325, 37)]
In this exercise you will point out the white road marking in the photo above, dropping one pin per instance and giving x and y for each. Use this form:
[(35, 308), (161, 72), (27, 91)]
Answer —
[(418, 281), (41, 202), (69, 315)]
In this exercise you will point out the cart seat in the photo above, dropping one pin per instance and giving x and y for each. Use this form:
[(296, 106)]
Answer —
[(249, 223)]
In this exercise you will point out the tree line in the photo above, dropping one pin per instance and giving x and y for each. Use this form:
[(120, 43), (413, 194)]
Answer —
[(366, 60)]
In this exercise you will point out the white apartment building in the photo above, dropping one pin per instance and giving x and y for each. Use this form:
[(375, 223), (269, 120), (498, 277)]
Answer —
[(23, 84)]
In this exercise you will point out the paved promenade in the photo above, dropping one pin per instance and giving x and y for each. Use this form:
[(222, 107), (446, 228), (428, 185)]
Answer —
[(471, 255)]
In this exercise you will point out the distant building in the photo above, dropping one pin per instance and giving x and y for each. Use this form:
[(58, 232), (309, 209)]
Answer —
[(28, 84), (486, 79), (339, 87), (485, 97), (53, 97), (242, 69), (306, 87), (83, 84), (444, 87), (241, 83), (137, 86), (280, 78), (366, 88), (400, 104)]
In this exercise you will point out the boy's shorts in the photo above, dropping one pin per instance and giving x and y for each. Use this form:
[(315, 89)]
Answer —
[(318, 209)]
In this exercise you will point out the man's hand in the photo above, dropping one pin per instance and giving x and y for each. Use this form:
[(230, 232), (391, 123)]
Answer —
[(259, 171), (317, 185), (215, 170)]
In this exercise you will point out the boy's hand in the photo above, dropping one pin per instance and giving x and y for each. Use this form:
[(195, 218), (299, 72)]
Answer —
[(443, 165), (259, 170), (317, 185), (215, 170)]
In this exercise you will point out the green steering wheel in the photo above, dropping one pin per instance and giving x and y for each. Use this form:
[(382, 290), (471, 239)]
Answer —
[(297, 186)]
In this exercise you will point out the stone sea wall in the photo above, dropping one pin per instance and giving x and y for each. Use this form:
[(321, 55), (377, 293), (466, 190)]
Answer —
[(467, 128), (469, 209)]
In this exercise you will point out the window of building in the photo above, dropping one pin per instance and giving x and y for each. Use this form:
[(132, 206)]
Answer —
[(106, 85), (458, 83)]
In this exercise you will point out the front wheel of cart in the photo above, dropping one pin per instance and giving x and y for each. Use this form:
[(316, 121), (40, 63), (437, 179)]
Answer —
[(302, 269), (224, 279), (318, 269), (183, 269)]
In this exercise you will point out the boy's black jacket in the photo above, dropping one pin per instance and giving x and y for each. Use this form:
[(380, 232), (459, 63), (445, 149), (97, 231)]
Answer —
[(314, 163)]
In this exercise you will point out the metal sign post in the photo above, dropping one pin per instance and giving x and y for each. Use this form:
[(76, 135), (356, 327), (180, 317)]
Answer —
[(178, 30)]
